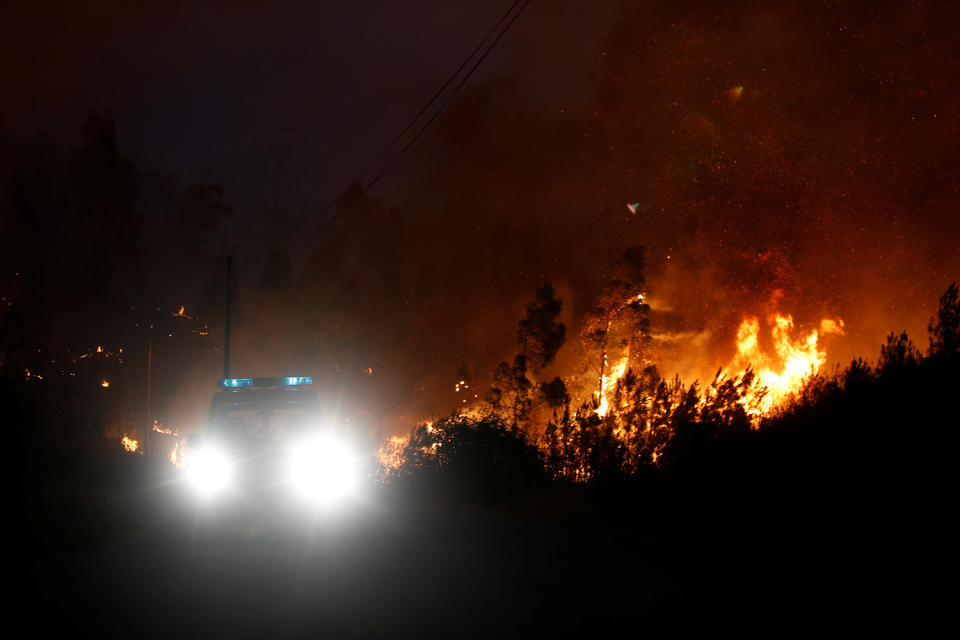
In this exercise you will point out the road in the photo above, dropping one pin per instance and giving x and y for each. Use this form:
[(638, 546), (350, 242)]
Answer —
[(376, 572)]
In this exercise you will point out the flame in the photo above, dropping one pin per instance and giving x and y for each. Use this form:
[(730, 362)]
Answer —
[(182, 313), (104, 383), (610, 376), (609, 381), (178, 455), (390, 454), (130, 445), (782, 373), (167, 431)]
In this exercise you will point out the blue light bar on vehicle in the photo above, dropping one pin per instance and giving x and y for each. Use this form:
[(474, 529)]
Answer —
[(234, 383), (289, 381)]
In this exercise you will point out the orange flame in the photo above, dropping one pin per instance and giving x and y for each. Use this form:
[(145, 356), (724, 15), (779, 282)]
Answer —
[(167, 431), (609, 381), (130, 445), (793, 361), (390, 454)]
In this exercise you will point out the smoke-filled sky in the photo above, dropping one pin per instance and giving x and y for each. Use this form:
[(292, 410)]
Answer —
[(797, 154)]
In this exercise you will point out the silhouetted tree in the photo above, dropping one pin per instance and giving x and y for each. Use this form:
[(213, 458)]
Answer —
[(944, 328), (512, 391), (857, 374), (647, 411), (344, 292), (729, 402), (898, 352), (539, 335), (469, 458), (105, 193), (554, 393)]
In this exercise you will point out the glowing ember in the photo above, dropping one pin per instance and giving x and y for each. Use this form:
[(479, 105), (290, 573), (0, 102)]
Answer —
[(733, 94), (104, 383)]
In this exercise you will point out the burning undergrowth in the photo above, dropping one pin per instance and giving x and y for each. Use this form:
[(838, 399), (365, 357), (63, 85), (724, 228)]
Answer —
[(622, 407), (633, 418)]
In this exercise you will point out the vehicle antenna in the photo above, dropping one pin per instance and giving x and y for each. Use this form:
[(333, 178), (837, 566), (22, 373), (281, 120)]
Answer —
[(226, 321)]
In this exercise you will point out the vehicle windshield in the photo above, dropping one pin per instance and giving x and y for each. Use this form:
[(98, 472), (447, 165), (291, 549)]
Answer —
[(262, 423), (263, 414)]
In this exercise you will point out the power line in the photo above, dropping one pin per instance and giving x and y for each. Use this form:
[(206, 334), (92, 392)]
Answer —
[(441, 89), (450, 97), (432, 100)]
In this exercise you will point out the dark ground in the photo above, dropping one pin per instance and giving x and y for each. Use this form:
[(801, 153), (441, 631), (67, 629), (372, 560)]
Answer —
[(380, 570), (106, 563), (839, 518)]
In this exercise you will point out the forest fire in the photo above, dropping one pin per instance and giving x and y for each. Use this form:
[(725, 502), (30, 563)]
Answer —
[(566, 289), (780, 375)]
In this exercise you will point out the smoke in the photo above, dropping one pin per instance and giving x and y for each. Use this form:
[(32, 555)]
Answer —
[(803, 148), (796, 158)]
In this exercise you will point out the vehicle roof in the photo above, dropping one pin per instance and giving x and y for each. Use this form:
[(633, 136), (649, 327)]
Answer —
[(254, 398)]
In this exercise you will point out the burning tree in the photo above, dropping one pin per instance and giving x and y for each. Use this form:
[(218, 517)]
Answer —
[(619, 323)]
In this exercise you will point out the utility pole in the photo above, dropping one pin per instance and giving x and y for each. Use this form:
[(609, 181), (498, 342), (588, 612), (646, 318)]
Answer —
[(146, 417)]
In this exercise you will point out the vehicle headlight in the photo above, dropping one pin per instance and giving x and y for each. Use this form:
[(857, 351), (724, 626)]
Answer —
[(324, 469), (209, 470)]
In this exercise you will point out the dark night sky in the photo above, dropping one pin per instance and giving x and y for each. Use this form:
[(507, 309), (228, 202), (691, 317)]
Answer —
[(832, 177), (212, 85)]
